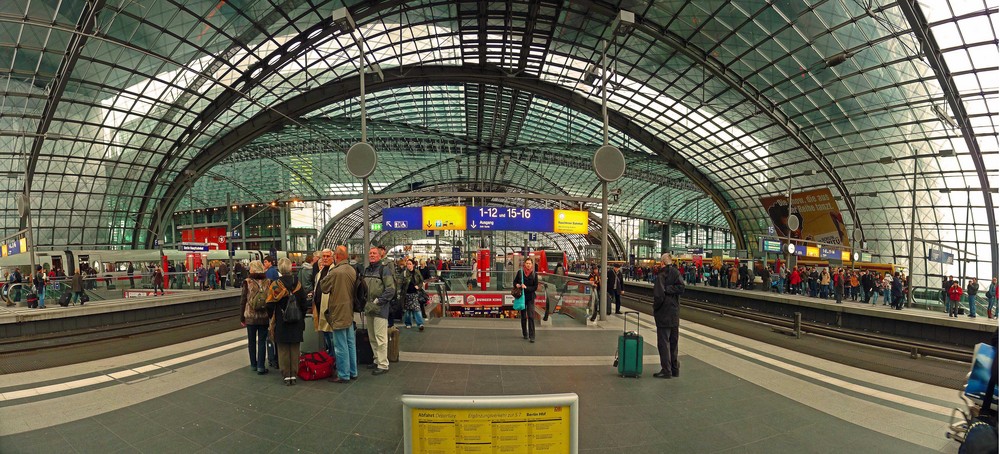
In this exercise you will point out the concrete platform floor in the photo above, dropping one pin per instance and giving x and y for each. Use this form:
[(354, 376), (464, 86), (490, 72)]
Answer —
[(733, 395)]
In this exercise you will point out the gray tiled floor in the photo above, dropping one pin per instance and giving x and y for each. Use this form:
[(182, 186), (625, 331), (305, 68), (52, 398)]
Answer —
[(705, 410)]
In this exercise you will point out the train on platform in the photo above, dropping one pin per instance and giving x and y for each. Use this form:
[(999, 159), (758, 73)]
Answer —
[(115, 263)]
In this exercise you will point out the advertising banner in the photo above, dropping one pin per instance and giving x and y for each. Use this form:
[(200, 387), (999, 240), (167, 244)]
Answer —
[(819, 217), (214, 237)]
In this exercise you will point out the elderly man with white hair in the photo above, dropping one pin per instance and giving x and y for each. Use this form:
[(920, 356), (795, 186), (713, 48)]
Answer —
[(666, 311)]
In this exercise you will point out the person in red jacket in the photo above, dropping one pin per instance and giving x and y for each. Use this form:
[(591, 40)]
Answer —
[(795, 281), (955, 294)]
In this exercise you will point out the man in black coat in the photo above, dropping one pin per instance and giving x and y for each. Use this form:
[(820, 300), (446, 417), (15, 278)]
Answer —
[(615, 288), (666, 310)]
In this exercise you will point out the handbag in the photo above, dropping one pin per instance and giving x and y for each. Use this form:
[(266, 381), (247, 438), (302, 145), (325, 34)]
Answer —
[(519, 299)]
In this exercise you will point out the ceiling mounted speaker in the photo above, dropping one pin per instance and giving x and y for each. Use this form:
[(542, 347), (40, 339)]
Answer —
[(609, 163), (361, 160)]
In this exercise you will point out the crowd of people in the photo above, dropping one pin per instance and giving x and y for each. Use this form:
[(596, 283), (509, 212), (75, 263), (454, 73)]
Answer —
[(326, 286)]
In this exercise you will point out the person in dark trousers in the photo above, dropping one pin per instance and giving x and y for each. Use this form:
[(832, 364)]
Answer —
[(666, 311), (615, 289), (527, 279), (897, 292), (972, 290), (131, 275), (287, 336)]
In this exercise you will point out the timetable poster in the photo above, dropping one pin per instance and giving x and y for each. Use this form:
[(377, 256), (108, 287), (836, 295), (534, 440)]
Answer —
[(491, 430)]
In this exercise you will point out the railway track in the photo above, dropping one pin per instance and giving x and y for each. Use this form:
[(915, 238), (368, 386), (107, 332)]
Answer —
[(69, 347), (786, 326)]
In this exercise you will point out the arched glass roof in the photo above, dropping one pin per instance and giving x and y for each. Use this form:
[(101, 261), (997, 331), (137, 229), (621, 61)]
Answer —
[(110, 111)]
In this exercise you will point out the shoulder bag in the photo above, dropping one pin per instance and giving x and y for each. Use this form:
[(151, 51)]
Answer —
[(519, 298)]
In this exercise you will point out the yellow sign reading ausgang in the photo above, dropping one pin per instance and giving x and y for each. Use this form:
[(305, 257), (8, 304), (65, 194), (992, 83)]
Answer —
[(491, 430), (444, 218), (568, 221)]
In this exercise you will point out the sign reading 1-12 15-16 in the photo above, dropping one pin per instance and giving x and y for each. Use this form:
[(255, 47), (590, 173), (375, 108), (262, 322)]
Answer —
[(505, 218)]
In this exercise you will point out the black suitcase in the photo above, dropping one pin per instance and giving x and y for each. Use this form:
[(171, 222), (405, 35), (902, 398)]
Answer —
[(364, 347), (32, 300), (64, 299)]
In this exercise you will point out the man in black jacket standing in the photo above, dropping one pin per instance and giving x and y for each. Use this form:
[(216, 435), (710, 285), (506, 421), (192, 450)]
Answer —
[(666, 310)]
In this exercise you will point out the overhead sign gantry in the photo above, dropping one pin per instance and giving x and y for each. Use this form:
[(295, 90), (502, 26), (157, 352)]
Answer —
[(486, 218)]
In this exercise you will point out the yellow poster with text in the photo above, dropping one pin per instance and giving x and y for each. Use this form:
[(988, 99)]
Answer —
[(491, 430), (444, 218), (5, 250), (568, 221)]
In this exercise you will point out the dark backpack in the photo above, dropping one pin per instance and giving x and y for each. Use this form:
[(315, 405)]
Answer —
[(360, 292)]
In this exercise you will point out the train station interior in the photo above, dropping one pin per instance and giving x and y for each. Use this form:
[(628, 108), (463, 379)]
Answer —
[(147, 141)]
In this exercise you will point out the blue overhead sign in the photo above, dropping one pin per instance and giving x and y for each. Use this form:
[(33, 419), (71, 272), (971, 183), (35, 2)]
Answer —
[(511, 219), (829, 253), (408, 218)]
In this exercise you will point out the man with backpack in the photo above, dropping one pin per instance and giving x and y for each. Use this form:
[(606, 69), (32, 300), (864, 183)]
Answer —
[(381, 291), (338, 290)]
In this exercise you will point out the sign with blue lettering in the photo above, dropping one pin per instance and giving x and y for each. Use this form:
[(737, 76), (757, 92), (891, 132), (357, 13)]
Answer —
[(829, 253), (408, 218), (511, 219), (194, 247), (532, 236), (456, 253)]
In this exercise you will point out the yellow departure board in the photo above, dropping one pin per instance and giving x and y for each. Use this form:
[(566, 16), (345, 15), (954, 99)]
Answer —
[(491, 430)]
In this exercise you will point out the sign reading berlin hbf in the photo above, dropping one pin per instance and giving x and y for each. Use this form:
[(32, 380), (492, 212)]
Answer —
[(485, 218)]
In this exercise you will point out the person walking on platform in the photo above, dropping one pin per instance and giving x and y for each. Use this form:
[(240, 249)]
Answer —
[(381, 289), (595, 283), (991, 299), (76, 286), (897, 292), (38, 280), (202, 275), (412, 284), (255, 321), (131, 275), (213, 276), (527, 280), (223, 275), (955, 296), (158, 280), (972, 290), (666, 311), (286, 333), (337, 290), (615, 288)]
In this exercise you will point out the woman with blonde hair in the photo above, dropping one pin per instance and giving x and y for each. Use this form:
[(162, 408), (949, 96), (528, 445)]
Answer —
[(286, 328), (254, 316)]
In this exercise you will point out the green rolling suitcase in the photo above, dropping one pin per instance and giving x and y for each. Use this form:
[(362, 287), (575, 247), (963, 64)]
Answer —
[(629, 357)]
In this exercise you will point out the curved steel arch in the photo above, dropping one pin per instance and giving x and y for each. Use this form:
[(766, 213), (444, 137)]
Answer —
[(342, 89)]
